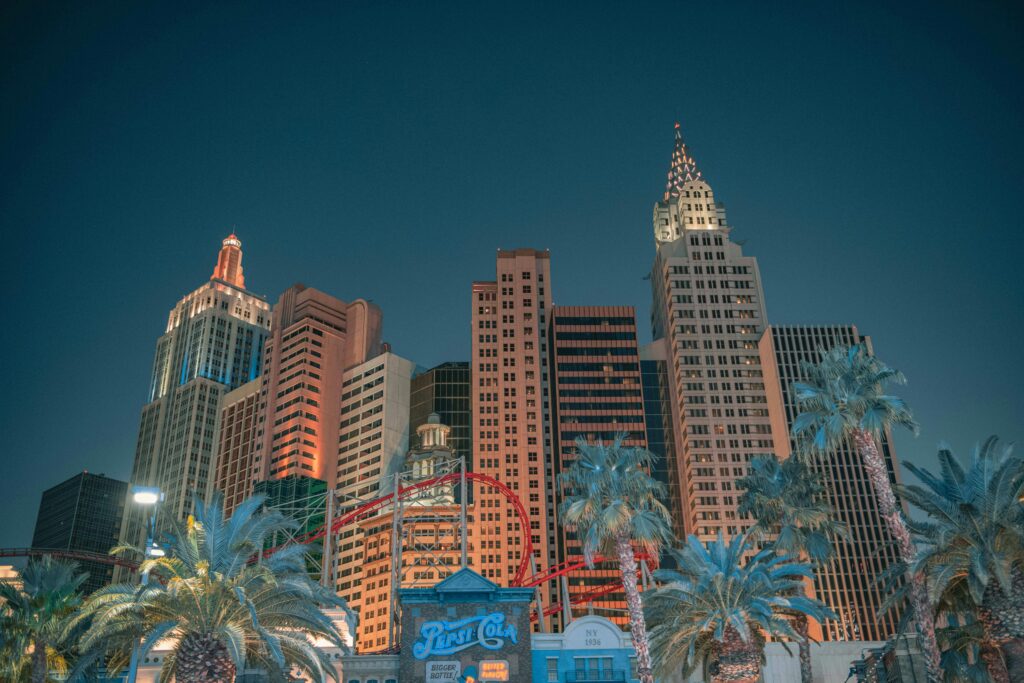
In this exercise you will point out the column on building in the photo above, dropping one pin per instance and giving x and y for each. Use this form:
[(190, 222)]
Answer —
[(512, 441), (849, 583), (596, 394)]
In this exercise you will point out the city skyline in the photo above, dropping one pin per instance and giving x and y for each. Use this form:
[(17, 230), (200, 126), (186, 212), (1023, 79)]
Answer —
[(958, 402)]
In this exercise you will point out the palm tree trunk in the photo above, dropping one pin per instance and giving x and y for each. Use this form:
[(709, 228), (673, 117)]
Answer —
[(924, 618), (736, 660), (637, 624), (39, 669), (993, 660), (1003, 618), (806, 672)]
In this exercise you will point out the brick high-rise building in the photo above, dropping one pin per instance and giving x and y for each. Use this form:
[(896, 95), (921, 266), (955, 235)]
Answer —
[(315, 339), (512, 439), (213, 343), (83, 513), (236, 444), (848, 584), (709, 308), (596, 392)]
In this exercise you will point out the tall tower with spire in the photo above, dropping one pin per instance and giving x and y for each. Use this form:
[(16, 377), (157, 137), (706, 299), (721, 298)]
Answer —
[(212, 343), (708, 314)]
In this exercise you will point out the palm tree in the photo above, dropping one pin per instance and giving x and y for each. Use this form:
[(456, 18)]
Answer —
[(843, 399), (219, 608), (788, 500), (972, 546), (613, 503), (717, 608), (34, 619)]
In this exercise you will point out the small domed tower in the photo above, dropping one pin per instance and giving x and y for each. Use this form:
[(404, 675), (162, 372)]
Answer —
[(426, 460)]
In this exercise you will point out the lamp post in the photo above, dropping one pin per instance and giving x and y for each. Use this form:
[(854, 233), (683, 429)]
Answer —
[(148, 496)]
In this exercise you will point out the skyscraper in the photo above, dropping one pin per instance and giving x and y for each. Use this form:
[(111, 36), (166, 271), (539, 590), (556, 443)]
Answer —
[(596, 393), (236, 444), (848, 584), (662, 420), (372, 443), (445, 390), (316, 337), (213, 343), (709, 308), (512, 441), (83, 513)]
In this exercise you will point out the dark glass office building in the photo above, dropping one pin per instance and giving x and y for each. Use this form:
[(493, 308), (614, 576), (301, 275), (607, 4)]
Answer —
[(444, 390), (83, 513)]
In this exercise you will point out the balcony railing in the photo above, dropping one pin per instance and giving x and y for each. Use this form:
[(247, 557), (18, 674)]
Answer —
[(603, 676)]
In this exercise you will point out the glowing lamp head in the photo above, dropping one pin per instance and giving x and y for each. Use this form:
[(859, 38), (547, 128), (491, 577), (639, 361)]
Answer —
[(146, 495), (155, 551)]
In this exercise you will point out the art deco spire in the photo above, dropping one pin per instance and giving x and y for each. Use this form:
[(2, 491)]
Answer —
[(229, 262), (683, 168)]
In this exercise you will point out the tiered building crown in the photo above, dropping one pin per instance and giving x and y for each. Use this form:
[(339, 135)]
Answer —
[(229, 262), (682, 170)]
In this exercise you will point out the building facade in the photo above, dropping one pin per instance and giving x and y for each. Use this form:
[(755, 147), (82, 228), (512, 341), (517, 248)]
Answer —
[(236, 444), (512, 438), (315, 339), (662, 426), (709, 308), (418, 549), (445, 390), (373, 440), (83, 513), (596, 393), (849, 583), (213, 343)]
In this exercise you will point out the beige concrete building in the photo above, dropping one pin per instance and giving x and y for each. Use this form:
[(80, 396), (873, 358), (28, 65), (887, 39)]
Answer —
[(709, 308), (373, 440), (512, 438)]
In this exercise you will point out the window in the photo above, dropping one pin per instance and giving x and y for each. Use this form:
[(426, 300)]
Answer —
[(552, 669)]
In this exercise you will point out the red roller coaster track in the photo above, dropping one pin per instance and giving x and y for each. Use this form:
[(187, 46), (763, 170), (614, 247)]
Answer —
[(520, 578)]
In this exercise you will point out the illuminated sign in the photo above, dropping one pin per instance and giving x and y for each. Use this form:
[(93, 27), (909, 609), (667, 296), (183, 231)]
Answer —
[(489, 631), (494, 670)]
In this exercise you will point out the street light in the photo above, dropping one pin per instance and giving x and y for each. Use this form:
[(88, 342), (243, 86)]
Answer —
[(146, 495)]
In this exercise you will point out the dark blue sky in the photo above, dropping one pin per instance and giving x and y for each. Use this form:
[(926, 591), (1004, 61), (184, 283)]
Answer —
[(870, 156)]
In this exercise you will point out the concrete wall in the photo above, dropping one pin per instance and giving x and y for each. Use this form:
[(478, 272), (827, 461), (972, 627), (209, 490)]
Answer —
[(831, 662)]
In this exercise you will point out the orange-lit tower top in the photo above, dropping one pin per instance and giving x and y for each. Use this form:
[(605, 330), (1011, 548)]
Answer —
[(229, 262)]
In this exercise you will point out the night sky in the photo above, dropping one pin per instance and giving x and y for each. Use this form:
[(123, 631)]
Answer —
[(870, 157)]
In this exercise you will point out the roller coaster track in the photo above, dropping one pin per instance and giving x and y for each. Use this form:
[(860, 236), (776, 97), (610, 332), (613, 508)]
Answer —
[(372, 507)]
